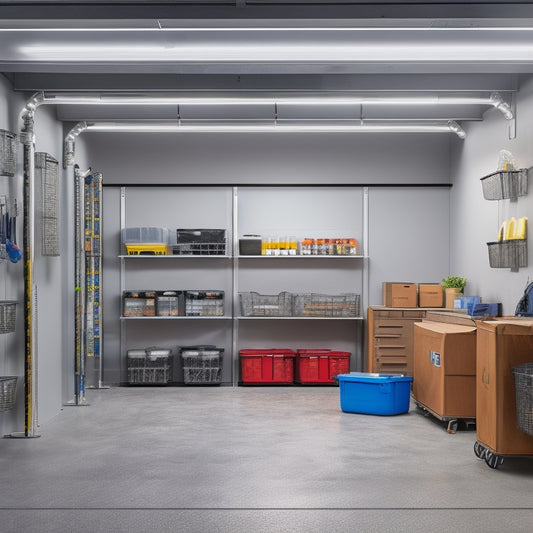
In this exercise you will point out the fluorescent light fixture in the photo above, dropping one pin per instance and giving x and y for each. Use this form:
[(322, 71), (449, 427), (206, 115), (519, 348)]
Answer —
[(315, 99), (278, 126), (233, 51)]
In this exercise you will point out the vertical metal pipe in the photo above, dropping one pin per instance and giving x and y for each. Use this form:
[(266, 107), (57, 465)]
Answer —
[(79, 286), (234, 250), (97, 251), (30, 375)]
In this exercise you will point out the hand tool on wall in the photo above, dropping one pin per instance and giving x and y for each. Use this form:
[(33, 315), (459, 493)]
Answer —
[(13, 251)]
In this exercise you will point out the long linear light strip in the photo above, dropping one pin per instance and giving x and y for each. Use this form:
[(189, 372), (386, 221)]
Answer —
[(494, 100), (309, 127), (520, 26)]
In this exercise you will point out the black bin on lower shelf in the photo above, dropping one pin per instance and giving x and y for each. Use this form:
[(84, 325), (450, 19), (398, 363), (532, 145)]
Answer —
[(202, 365)]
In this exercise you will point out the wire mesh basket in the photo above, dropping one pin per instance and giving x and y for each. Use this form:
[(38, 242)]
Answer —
[(505, 184), (149, 366), (8, 315), (199, 248), (255, 304), (341, 305), (47, 172), (202, 364), (523, 378), (8, 389), (200, 242), (8, 153), (511, 253)]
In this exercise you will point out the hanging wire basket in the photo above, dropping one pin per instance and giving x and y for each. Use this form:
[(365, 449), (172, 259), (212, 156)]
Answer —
[(8, 153), (8, 314), (47, 173), (8, 389)]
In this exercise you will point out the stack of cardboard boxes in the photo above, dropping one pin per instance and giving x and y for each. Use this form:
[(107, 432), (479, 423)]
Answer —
[(397, 294)]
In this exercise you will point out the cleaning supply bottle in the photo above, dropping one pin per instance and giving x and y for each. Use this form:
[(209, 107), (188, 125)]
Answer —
[(520, 228), (509, 231)]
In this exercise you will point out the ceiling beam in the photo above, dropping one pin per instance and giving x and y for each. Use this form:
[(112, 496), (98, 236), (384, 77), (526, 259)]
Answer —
[(263, 10), (46, 81)]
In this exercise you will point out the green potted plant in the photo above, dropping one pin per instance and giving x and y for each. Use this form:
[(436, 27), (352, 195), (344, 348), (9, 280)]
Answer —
[(454, 287)]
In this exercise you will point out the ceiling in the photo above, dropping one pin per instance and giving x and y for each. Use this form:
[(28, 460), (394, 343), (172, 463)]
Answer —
[(277, 48)]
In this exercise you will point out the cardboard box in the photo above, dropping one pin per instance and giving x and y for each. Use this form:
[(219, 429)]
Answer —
[(445, 368), (396, 294), (430, 295)]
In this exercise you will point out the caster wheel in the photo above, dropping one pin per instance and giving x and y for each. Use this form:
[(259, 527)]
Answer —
[(493, 460), (479, 450), (452, 426)]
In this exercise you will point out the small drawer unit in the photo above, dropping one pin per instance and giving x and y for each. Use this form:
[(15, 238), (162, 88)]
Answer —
[(390, 339), (138, 303), (267, 366), (170, 303), (149, 366), (321, 366), (204, 303)]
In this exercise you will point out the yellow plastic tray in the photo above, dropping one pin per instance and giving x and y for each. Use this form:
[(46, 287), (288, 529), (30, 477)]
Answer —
[(146, 249)]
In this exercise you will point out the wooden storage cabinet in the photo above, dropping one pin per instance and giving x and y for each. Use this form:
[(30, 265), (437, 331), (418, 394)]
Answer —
[(391, 339), (445, 369), (501, 345)]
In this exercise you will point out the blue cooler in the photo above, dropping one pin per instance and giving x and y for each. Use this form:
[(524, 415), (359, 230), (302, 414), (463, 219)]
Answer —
[(374, 394)]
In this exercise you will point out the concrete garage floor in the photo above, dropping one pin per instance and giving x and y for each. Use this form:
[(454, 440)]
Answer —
[(253, 459)]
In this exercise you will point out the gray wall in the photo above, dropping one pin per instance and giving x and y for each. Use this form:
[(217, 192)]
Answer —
[(270, 158), (402, 246), (475, 221), (52, 315), (408, 236)]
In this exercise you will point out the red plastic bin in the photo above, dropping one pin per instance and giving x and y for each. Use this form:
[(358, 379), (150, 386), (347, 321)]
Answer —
[(321, 366), (267, 366)]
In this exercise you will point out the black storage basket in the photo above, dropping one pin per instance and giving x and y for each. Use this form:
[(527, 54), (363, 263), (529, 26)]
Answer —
[(510, 253), (523, 378)]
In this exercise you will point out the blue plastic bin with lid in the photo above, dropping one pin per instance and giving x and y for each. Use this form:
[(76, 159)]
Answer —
[(374, 394)]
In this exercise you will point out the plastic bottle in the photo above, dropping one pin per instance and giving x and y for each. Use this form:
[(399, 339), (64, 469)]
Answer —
[(520, 228), (293, 245), (509, 231)]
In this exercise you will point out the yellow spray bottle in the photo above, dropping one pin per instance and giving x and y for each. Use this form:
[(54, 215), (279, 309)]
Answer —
[(520, 229)]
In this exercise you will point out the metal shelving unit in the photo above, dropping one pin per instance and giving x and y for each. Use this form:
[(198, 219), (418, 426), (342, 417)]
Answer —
[(350, 266)]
